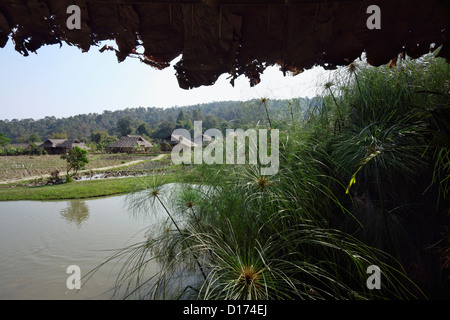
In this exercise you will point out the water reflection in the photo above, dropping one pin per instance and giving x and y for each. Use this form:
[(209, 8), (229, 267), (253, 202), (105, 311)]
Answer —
[(76, 212), (40, 239)]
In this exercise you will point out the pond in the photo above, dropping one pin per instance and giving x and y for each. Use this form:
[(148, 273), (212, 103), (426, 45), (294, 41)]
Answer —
[(39, 240)]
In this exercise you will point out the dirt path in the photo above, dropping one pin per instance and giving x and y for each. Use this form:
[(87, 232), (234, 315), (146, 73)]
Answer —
[(87, 170)]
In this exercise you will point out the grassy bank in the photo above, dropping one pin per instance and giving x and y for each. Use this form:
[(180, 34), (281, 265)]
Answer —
[(91, 188)]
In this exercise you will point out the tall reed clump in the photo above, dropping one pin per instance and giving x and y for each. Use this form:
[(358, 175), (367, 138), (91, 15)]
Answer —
[(245, 236), (363, 181), (392, 155)]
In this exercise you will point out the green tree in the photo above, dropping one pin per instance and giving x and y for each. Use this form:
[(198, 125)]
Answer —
[(101, 139), (165, 129), (109, 139), (181, 116), (197, 115), (98, 136), (182, 121), (124, 125), (143, 129), (59, 135), (76, 159), (33, 138), (4, 140), (211, 122)]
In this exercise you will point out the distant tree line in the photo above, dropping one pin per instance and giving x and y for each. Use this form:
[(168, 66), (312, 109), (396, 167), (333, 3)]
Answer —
[(99, 130)]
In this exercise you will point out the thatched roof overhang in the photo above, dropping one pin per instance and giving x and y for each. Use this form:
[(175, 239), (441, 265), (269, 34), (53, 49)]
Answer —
[(236, 37)]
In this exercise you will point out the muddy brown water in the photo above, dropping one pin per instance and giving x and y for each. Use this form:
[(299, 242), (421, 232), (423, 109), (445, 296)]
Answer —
[(39, 240)]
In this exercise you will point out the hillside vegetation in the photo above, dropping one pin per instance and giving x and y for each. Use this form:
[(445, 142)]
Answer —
[(152, 123)]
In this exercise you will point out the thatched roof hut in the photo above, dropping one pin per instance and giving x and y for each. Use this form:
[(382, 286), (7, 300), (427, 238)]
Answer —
[(130, 144), (170, 141), (204, 139), (52, 143), (60, 146), (238, 37)]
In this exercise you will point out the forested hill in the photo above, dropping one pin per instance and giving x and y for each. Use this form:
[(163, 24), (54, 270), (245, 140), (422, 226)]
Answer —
[(154, 122)]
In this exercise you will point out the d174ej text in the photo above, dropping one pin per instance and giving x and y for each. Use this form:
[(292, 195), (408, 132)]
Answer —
[(231, 309)]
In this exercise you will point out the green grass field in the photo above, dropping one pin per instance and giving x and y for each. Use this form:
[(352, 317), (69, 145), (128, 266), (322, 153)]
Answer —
[(42, 165), (92, 188)]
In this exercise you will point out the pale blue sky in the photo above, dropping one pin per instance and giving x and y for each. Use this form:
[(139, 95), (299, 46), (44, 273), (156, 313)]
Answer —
[(63, 82)]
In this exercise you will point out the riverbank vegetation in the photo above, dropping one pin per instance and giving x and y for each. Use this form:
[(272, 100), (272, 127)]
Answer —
[(363, 181), (89, 188), (120, 178)]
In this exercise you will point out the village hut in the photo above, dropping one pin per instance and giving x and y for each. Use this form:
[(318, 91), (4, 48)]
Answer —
[(129, 144), (169, 142), (61, 146), (204, 139)]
